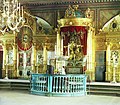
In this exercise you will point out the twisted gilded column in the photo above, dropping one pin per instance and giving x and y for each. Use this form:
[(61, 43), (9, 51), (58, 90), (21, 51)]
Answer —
[(58, 51), (61, 47), (44, 58), (108, 55), (34, 57), (4, 58), (14, 59), (90, 54), (89, 51)]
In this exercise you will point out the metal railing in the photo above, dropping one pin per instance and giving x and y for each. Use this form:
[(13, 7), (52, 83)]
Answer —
[(58, 85)]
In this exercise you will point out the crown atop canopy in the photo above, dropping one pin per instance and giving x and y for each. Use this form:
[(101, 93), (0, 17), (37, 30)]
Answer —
[(72, 11)]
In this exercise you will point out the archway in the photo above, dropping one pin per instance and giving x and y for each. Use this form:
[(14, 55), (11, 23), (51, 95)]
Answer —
[(107, 40)]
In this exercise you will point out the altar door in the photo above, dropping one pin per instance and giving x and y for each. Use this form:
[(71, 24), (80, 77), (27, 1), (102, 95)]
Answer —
[(25, 63), (100, 66)]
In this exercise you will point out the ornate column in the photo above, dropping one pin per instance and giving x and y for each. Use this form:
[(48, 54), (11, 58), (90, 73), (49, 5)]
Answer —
[(4, 57), (44, 58), (89, 51), (108, 58), (61, 51), (93, 53), (114, 57), (90, 67), (34, 56), (58, 43), (15, 59)]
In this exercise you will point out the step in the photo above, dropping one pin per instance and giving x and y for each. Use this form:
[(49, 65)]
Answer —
[(104, 89), (104, 93)]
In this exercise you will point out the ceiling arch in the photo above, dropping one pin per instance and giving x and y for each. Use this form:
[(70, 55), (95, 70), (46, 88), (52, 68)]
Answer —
[(44, 25), (112, 25)]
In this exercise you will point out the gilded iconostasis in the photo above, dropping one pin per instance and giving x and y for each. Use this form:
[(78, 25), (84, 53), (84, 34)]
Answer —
[(33, 47)]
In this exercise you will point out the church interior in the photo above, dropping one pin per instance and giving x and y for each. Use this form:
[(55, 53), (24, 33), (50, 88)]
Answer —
[(45, 36)]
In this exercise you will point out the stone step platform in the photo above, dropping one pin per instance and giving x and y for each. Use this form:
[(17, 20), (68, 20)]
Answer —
[(15, 84), (93, 88), (103, 88)]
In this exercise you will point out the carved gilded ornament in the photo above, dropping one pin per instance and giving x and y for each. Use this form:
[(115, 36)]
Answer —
[(29, 19), (73, 17), (103, 42), (49, 46), (75, 51), (70, 12), (75, 22), (100, 39), (41, 40), (115, 46), (100, 46), (113, 39), (88, 13)]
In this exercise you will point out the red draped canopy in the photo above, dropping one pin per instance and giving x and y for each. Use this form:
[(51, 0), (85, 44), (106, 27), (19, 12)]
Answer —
[(80, 31)]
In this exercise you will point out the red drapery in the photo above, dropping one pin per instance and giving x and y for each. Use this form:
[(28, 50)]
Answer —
[(81, 32)]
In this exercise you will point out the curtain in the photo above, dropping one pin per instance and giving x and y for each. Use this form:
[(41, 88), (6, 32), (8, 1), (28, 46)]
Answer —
[(77, 31)]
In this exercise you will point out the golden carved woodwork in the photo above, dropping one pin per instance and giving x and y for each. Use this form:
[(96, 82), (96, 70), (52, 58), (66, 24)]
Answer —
[(71, 18), (115, 46), (50, 46), (102, 39), (100, 46), (70, 12), (30, 20), (41, 40), (88, 13), (75, 22), (75, 51)]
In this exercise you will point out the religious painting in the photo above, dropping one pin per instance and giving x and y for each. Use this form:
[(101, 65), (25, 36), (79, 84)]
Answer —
[(10, 57), (39, 57), (24, 38)]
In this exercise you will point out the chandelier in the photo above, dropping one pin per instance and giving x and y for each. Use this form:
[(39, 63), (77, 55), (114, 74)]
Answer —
[(11, 16)]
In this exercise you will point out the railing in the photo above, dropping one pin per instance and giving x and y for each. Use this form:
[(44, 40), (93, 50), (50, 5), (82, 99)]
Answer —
[(58, 85)]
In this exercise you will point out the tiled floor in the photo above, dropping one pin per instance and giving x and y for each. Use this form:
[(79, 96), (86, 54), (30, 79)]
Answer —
[(24, 98)]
